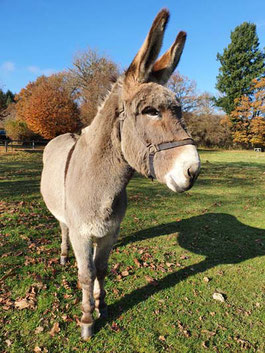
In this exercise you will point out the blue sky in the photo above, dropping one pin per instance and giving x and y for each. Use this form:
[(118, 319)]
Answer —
[(42, 36)]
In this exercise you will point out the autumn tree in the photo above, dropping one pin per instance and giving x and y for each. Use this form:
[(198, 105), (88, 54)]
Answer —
[(206, 127), (184, 90), (241, 62), (249, 117), (48, 106), (90, 80), (209, 130)]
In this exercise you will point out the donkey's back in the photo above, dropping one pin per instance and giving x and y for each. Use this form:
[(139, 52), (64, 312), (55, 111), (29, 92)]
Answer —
[(55, 159)]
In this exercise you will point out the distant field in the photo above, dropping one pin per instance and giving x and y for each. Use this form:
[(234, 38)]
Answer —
[(178, 250)]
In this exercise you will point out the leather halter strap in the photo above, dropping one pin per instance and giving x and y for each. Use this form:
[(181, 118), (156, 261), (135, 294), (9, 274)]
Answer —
[(153, 149)]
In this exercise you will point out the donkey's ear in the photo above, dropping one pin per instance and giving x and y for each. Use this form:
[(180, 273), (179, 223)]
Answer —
[(142, 64), (166, 64)]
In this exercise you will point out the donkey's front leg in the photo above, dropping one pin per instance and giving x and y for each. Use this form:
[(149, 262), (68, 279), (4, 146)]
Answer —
[(83, 249), (64, 243), (102, 251)]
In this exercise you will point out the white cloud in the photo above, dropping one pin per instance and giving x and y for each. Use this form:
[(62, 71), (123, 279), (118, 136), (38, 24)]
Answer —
[(38, 71), (8, 66)]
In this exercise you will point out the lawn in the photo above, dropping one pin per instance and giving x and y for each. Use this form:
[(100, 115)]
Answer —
[(174, 253)]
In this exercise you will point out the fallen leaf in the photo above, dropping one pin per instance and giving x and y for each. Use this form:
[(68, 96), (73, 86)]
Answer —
[(8, 342), (151, 280), (125, 273), (205, 344), (115, 327), (55, 329), (137, 262), (184, 257), (206, 279), (37, 349), (209, 333), (161, 338), (116, 266), (245, 344), (39, 329), (219, 297), (22, 304), (187, 333)]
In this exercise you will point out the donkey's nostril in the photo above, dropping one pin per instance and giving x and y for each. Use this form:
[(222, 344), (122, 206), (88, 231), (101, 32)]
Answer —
[(193, 170)]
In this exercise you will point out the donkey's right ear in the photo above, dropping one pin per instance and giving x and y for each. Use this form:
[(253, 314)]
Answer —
[(142, 64), (165, 66)]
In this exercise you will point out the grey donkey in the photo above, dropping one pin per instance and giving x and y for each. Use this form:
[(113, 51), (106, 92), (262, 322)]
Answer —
[(138, 128)]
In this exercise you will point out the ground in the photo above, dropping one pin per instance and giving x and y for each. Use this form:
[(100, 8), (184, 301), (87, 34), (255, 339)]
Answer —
[(176, 253)]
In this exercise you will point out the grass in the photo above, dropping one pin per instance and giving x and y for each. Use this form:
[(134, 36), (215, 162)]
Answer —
[(178, 251)]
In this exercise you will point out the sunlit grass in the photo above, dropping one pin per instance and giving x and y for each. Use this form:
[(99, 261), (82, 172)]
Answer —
[(178, 249)]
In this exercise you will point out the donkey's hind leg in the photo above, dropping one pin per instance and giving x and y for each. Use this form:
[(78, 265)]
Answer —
[(83, 249), (102, 251), (64, 244)]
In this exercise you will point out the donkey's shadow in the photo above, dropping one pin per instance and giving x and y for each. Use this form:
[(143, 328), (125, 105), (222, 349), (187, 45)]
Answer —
[(218, 236)]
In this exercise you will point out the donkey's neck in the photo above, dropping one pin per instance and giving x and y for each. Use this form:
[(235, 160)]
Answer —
[(104, 126), (106, 166)]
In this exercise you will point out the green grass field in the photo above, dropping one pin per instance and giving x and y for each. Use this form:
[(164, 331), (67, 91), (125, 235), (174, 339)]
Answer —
[(175, 251)]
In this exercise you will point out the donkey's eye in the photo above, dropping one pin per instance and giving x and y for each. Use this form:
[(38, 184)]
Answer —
[(151, 111)]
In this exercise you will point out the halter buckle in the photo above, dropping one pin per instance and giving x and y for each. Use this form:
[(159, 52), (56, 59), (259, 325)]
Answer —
[(152, 148)]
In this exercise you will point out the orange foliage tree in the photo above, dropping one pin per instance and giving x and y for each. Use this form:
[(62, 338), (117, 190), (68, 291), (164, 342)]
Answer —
[(248, 118), (48, 107)]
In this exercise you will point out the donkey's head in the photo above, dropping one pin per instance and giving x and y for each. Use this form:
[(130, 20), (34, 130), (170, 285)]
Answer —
[(154, 138)]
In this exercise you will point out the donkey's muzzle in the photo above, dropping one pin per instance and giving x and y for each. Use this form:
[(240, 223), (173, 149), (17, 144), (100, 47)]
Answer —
[(185, 170)]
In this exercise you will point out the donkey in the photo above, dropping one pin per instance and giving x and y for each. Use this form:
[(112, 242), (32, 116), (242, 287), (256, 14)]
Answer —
[(138, 128)]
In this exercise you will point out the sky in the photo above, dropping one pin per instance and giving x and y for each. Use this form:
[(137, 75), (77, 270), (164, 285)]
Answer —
[(43, 36)]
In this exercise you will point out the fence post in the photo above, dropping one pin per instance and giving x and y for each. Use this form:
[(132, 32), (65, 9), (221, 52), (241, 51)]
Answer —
[(33, 145)]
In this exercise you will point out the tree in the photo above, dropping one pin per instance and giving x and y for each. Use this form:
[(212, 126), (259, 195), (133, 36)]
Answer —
[(10, 97), (249, 117), (185, 91), (18, 130), (206, 127), (241, 62), (48, 107), (5, 99), (90, 80), (2, 100), (209, 130)]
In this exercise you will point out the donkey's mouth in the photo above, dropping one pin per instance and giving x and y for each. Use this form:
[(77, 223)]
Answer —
[(172, 185)]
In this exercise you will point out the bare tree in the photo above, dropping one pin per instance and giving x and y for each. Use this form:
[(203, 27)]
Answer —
[(185, 91), (90, 80)]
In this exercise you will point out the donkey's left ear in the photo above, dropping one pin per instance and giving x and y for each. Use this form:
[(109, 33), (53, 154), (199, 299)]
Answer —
[(166, 64), (142, 64)]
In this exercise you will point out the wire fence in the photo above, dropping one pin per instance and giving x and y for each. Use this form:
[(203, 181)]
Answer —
[(17, 145)]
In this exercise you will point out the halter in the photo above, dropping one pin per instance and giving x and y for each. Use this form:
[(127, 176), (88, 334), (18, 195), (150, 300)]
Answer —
[(152, 149)]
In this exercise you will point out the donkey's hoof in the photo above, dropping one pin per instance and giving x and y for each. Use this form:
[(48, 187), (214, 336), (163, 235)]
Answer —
[(86, 331), (63, 260)]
